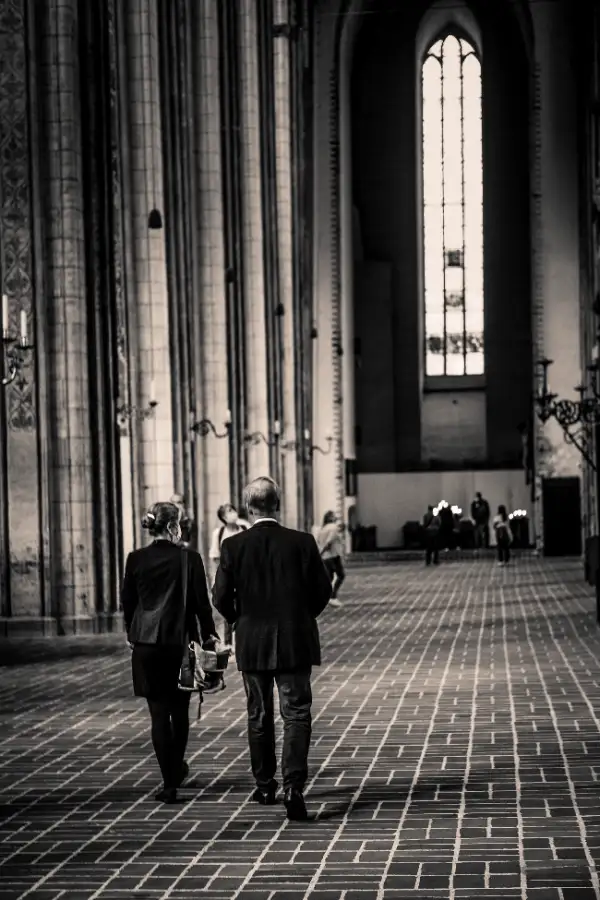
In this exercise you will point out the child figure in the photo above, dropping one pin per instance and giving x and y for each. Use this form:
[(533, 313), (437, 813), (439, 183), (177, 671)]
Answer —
[(329, 541)]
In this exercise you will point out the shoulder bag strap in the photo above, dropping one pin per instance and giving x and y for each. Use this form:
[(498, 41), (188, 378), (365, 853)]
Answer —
[(184, 586)]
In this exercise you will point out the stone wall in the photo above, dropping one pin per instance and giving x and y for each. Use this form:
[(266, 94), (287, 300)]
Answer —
[(142, 333)]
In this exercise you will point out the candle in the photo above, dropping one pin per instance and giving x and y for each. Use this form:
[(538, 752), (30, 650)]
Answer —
[(276, 427), (23, 327), (5, 313), (227, 417)]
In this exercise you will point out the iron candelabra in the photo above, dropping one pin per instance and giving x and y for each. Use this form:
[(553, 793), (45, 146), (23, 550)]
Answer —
[(15, 348), (575, 417)]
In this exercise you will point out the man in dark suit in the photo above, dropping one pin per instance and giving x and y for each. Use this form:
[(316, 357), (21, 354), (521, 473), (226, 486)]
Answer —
[(480, 513), (271, 585)]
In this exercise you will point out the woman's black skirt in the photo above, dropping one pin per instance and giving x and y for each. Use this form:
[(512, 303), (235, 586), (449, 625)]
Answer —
[(155, 670)]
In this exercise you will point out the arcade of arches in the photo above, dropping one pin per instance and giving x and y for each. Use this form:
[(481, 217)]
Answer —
[(328, 240)]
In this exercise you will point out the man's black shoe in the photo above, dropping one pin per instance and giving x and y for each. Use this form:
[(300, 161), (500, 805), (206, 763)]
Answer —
[(295, 805), (265, 798), (213, 683)]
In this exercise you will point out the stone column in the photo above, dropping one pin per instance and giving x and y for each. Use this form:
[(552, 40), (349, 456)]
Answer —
[(22, 504), (556, 291), (212, 454), (283, 163), (70, 447), (324, 390), (348, 255), (150, 282), (254, 283)]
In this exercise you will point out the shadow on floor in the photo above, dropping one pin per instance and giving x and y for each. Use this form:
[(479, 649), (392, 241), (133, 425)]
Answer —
[(32, 651)]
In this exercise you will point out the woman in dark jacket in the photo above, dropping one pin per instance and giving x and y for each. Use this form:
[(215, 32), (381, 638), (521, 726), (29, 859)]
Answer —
[(158, 629)]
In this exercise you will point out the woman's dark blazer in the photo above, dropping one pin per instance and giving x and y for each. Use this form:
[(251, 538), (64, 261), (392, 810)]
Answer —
[(152, 596)]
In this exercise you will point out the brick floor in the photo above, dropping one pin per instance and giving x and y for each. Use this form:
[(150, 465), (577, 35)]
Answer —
[(456, 752)]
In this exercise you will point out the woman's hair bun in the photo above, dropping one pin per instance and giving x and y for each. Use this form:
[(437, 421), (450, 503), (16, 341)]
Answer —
[(149, 521), (159, 517)]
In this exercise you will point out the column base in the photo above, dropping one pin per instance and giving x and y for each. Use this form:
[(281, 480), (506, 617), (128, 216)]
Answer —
[(33, 626)]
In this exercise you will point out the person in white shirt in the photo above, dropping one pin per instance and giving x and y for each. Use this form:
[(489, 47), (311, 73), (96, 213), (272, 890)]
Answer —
[(329, 541), (501, 525), (230, 524)]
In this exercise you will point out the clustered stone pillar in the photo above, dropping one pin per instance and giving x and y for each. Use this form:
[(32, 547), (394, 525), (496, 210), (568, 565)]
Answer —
[(70, 447), (347, 262), (324, 412), (283, 163), (252, 229), (213, 454), (150, 281)]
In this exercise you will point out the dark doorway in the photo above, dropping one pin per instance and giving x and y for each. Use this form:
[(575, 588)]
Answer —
[(561, 499)]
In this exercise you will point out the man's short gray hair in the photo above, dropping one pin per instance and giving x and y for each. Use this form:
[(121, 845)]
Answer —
[(263, 495)]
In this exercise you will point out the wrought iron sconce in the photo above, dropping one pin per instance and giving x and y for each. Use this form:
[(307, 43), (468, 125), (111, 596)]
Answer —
[(14, 349), (127, 412), (256, 437), (575, 417), (310, 449), (329, 442), (204, 427)]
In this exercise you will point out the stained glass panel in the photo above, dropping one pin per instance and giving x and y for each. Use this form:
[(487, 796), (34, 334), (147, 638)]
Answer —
[(434, 320), (454, 325), (454, 364), (434, 363), (453, 209)]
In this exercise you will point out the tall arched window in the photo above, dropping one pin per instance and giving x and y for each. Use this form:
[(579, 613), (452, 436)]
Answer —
[(452, 209)]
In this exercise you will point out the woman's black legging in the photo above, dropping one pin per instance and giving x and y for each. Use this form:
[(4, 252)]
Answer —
[(170, 730), (503, 550)]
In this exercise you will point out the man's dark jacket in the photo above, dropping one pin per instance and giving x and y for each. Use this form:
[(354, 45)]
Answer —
[(152, 596), (272, 585), (480, 511)]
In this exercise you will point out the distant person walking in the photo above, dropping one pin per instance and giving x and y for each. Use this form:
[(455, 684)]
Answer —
[(189, 529), (271, 585), (431, 526), (329, 540), (446, 535), (230, 524), (480, 513), (504, 535)]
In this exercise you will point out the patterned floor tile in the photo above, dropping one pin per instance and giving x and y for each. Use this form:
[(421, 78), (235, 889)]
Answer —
[(456, 753)]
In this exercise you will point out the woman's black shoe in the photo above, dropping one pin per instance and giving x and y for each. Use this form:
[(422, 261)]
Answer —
[(295, 805), (265, 798), (167, 795)]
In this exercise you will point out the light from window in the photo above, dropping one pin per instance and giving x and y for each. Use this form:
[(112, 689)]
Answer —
[(452, 209)]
